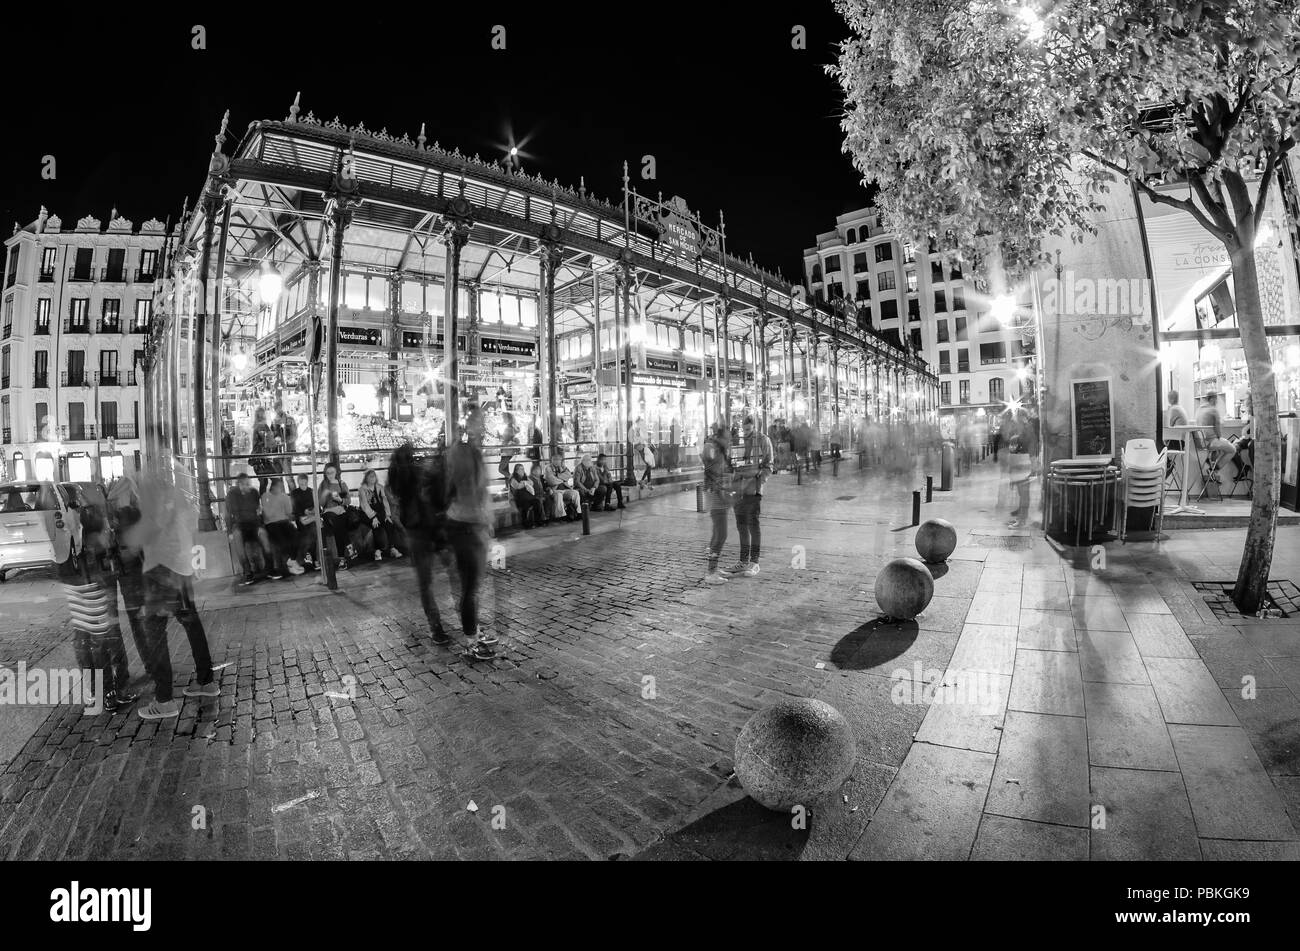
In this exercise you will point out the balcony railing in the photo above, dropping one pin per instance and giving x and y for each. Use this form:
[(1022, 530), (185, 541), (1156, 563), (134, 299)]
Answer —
[(6, 435), (41, 381), (74, 378), (71, 326), (45, 277), (117, 431), (108, 379), (116, 275), (4, 382), (42, 329), (81, 433), (8, 332), (130, 378), (146, 277), (10, 278), (109, 325), (963, 366), (139, 327), (81, 274)]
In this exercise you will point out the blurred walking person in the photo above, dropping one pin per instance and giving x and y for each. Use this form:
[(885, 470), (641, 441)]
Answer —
[(756, 466), (468, 526), (718, 495), (420, 487)]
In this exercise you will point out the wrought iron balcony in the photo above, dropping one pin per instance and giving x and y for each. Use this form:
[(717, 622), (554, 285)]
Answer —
[(42, 329), (139, 327), (109, 325), (74, 378), (41, 381), (117, 431), (76, 327), (4, 382), (108, 379), (45, 277), (81, 273), (145, 277), (115, 275), (83, 433), (6, 435)]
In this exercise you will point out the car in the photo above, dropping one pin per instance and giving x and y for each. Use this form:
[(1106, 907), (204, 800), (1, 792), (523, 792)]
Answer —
[(39, 524)]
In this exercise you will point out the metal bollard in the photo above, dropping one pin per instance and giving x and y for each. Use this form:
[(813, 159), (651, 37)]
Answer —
[(798, 475), (929, 488), (586, 519), (835, 466), (916, 507), (699, 497)]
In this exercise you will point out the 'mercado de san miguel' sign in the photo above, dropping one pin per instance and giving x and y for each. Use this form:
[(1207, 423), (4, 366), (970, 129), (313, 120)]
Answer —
[(677, 227)]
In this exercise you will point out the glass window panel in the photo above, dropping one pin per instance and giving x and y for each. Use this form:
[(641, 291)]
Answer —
[(412, 297), (354, 291), (528, 311)]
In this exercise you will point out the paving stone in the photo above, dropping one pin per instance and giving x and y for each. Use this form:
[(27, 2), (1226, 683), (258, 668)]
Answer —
[(993, 607), (1047, 682), (1048, 630), (1272, 720), (1042, 770), (987, 648), (1110, 657), (1228, 850), (1001, 839), (1126, 728), (1231, 795), (967, 711), (1143, 815), (1231, 659), (1187, 693), (932, 809), (1159, 635), (1096, 613)]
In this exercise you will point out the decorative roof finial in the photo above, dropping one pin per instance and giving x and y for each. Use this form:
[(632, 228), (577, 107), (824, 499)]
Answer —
[(220, 138), (462, 179), (420, 139), (553, 191), (582, 186), (294, 110), (625, 178)]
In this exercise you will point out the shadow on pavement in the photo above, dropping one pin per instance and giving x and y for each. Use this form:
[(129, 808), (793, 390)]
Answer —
[(741, 831), (874, 643)]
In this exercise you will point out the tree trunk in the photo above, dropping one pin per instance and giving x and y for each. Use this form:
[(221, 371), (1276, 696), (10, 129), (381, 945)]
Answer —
[(1257, 557)]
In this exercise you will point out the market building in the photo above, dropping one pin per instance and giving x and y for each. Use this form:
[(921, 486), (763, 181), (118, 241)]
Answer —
[(77, 310), (419, 279)]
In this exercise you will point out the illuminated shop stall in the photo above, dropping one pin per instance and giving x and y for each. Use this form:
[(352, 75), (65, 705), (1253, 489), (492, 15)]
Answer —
[(386, 283)]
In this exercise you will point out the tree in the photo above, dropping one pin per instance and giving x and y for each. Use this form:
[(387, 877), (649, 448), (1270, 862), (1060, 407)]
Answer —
[(1002, 124)]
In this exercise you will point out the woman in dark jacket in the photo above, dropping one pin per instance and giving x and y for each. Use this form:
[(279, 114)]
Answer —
[(332, 499)]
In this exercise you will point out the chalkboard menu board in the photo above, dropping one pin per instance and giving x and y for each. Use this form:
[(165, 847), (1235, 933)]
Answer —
[(1093, 417)]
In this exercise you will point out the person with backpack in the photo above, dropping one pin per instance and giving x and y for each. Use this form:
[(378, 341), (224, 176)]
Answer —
[(718, 495), (469, 523), (756, 467)]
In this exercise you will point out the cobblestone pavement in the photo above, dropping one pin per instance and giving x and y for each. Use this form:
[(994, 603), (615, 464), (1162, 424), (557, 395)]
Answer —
[(606, 728)]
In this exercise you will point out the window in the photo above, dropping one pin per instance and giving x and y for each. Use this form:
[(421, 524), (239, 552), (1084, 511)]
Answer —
[(995, 390), (941, 327), (143, 314), (42, 315), (108, 419), (913, 309), (816, 273), (833, 264), (963, 360), (889, 309), (42, 422), (4, 368), (860, 262), (940, 302), (936, 272), (963, 391), (41, 368), (993, 353), (852, 236), (4, 420), (885, 252), (49, 263), (864, 290), (81, 271), (944, 365), (909, 253), (916, 340), (955, 273), (886, 280), (148, 265), (79, 315), (110, 319), (354, 291), (911, 282), (9, 318), (961, 328), (116, 261), (108, 368), (76, 421), (76, 367), (945, 393), (958, 299), (13, 267)]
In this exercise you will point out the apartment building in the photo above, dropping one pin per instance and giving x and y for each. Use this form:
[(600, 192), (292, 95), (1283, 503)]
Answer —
[(77, 306), (911, 297)]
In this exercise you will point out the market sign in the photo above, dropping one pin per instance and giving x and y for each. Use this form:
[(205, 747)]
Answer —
[(659, 363), (580, 389), (656, 379), (267, 355), (413, 338), (694, 369), (363, 336), (677, 228), (296, 342), (508, 348)]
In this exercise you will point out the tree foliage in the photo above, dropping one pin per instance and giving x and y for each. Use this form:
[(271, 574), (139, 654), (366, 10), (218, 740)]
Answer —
[(972, 115)]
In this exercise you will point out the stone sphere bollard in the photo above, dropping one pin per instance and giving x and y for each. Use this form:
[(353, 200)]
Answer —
[(936, 539), (790, 753), (904, 588)]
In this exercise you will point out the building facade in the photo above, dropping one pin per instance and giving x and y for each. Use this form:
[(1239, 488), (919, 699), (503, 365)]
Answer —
[(77, 309), (914, 299)]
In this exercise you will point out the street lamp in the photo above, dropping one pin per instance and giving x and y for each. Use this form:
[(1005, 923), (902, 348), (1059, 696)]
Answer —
[(269, 284), (1003, 308)]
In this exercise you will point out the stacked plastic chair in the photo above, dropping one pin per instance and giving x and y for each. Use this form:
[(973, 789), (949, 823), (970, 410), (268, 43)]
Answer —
[(1144, 481)]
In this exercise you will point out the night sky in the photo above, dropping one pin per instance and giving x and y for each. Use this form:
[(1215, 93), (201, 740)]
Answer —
[(736, 119)]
